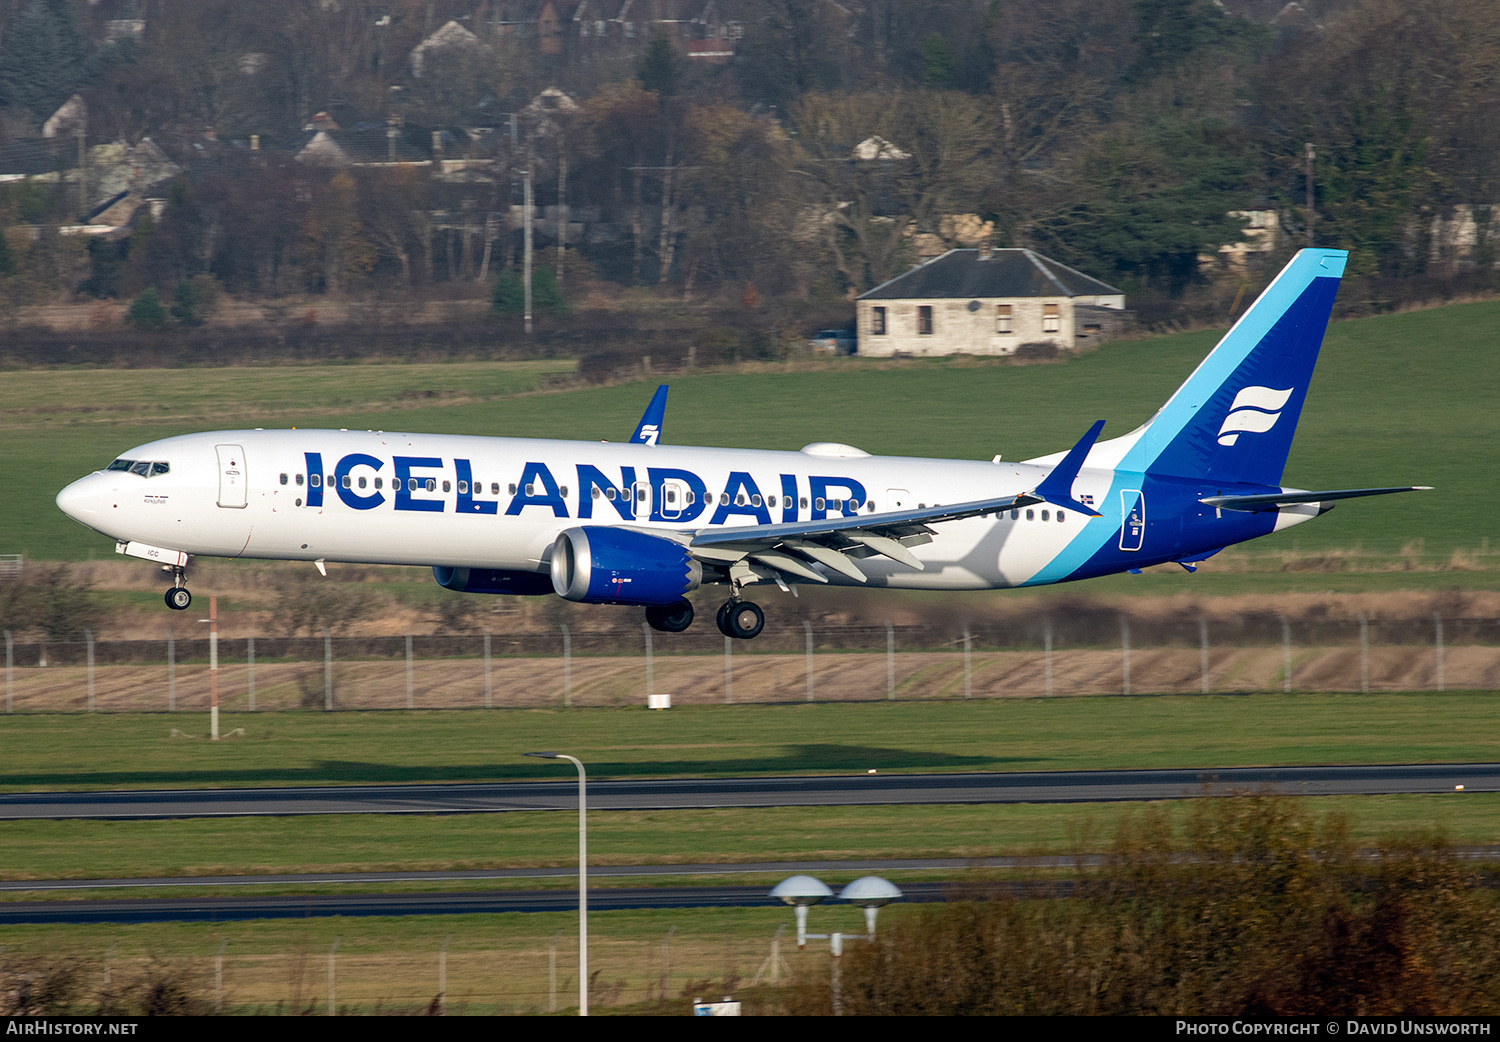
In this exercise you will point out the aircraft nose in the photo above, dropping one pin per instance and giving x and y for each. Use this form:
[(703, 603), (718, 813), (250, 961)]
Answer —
[(83, 499)]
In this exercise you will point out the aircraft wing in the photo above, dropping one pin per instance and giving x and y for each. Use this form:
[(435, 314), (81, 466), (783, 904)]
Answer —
[(773, 551), (788, 550)]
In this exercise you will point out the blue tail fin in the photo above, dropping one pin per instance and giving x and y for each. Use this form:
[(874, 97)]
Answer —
[(648, 431), (1233, 420)]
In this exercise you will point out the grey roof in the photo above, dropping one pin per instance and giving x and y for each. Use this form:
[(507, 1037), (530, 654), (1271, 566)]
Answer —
[(1007, 273)]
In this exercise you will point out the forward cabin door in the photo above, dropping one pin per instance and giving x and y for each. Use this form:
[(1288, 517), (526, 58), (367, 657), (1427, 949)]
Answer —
[(231, 476)]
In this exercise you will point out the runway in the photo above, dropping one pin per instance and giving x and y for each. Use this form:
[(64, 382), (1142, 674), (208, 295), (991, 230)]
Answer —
[(688, 793)]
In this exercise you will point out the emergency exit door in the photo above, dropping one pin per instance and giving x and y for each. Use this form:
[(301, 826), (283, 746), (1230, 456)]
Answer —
[(231, 476)]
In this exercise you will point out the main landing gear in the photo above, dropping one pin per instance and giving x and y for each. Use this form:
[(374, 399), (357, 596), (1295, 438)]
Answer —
[(670, 618), (178, 598), (741, 619)]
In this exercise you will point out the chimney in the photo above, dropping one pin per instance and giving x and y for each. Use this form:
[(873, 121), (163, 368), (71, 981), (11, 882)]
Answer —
[(984, 251)]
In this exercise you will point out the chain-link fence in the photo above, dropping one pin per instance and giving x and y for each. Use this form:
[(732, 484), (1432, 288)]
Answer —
[(1043, 657)]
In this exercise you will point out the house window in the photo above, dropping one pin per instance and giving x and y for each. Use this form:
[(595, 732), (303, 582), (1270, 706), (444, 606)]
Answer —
[(1002, 318), (1051, 318), (877, 321), (924, 320)]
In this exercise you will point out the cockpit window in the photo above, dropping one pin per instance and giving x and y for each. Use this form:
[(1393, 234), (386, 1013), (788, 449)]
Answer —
[(145, 468)]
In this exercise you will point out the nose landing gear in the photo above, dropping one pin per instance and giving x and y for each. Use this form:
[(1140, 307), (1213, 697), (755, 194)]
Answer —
[(741, 619), (178, 598)]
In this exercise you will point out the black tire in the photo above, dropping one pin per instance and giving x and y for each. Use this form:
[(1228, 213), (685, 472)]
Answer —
[(744, 620), (722, 618), (670, 618), (178, 598)]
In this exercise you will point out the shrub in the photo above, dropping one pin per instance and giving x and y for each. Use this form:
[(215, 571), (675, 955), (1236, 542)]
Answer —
[(146, 311)]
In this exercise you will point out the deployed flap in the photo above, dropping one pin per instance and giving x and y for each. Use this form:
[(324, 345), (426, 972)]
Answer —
[(1279, 499), (648, 431)]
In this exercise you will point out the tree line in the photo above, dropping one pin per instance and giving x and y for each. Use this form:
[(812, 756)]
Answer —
[(1117, 135)]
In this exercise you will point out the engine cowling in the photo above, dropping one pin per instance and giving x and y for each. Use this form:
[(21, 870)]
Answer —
[(492, 580), (598, 565)]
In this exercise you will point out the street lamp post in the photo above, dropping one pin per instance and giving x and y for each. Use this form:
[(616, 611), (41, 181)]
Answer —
[(583, 879)]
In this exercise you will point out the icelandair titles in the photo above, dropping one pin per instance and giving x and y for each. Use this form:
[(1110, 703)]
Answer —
[(666, 494)]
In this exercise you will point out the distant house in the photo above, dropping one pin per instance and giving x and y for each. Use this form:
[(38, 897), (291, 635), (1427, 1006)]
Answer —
[(986, 302), (451, 39)]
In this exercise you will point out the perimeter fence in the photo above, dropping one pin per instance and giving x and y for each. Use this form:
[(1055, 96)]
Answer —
[(1044, 657)]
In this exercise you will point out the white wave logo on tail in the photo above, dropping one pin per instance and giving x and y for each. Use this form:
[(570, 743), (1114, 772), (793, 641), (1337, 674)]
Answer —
[(1255, 411)]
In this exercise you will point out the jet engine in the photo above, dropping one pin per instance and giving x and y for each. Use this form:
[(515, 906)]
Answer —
[(491, 580), (598, 565)]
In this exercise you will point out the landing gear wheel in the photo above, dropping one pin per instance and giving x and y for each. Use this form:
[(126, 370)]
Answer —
[(670, 618), (178, 598), (720, 619), (741, 619)]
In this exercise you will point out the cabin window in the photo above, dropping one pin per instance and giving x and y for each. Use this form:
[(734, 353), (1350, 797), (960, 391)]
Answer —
[(803, 501), (723, 499), (432, 484), (361, 481), (299, 480), (447, 486), (610, 493), (1051, 318), (853, 504), (330, 481), (786, 502), (739, 499), (755, 501), (1002, 318), (512, 488), (640, 493), (530, 490), (1046, 515), (877, 321), (299, 501), (1015, 515), (819, 503), (671, 495), (1031, 515), (596, 492), (563, 491), (315, 480), (380, 482), (870, 505), (688, 497), (494, 488), (838, 504), (348, 483), (924, 320), (463, 488), (283, 479), (1060, 515)]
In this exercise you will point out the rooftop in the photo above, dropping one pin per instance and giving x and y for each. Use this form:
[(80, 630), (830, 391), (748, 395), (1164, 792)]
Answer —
[(1007, 273)]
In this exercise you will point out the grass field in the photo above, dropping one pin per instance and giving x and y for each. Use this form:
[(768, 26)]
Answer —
[(529, 839), (1400, 399), (137, 750)]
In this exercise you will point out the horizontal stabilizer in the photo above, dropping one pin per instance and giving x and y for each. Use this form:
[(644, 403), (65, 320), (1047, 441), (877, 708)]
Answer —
[(1057, 487), (1280, 499)]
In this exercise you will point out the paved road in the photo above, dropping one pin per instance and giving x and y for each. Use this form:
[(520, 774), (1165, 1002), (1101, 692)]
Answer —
[(681, 793)]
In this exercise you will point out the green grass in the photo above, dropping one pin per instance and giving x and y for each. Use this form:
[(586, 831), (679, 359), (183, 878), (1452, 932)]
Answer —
[(129, 750), (1399, 399), (528, 839)]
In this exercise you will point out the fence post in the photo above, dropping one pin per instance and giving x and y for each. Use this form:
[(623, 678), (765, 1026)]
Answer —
[(1286, 656), (88, 638), (728, 670), (328, 706), (1047, 660), (171, 673), (443, 977), (332, 1003), (213, 667), (1125, 653), (1203, 650), (650, 679), (489, 684), (219, 977), (552, 973), (250, 663), (968, 666), (666, 960), (1437, 619), (1364, 654), (890, 661), (807, 626), (567, 668), (410, 695), (10, 680)]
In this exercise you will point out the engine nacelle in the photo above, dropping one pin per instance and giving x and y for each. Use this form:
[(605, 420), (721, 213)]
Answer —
[(491, 580), (598, 565)]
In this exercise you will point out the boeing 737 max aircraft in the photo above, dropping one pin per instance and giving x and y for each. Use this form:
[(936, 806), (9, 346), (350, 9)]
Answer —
[(641, 523)]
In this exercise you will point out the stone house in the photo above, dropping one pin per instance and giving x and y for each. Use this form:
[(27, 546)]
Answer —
[(986, 302)]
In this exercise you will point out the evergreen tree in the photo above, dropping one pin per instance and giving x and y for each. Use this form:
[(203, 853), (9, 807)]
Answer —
[(41, 59), (508, 295), (661, 67), (146, 311)]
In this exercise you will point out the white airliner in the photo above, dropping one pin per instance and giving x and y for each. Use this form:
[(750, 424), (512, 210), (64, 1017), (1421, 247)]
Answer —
[(643, 523)]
